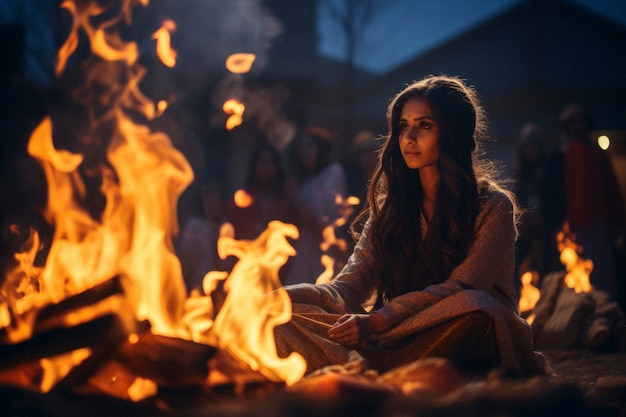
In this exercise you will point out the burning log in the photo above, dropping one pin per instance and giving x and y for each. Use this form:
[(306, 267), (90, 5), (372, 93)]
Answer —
[(166, 360), (90, 318), (120, 348)]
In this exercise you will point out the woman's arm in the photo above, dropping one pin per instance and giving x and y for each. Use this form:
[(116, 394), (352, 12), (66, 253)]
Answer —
[(349, 290)]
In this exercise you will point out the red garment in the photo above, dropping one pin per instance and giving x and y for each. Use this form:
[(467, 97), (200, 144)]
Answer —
[(592, 190)]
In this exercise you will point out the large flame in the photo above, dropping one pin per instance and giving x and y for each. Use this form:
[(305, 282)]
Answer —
[(142, 179)]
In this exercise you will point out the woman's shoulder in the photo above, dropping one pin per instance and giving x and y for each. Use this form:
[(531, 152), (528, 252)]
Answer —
[(492, 197)]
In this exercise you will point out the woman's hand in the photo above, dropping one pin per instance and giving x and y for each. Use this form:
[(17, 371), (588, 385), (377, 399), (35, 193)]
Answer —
[(352, 329)]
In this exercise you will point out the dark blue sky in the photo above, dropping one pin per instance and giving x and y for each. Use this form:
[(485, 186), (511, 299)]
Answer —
[(402, 29)]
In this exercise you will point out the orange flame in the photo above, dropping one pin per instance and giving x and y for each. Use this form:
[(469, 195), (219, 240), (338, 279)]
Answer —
[(330, 240), (240, 63), (104, 44), (577, 269), (529, 294), (19, 292), (134, 236), (164, 51), (255, 302), (235, 109), (141, 182), (142, 179)]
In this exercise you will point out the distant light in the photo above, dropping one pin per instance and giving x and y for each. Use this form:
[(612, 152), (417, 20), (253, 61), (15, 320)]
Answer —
[(604, 142)]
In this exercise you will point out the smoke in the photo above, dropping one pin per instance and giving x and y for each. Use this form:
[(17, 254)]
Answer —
[(208, 32)]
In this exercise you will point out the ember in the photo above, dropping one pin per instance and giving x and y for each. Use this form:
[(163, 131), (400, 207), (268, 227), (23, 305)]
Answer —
[(163, 48), (240, 63), (235, 109)]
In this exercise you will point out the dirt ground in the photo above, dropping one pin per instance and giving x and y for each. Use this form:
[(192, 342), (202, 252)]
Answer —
[(601, 376), (584, 384)]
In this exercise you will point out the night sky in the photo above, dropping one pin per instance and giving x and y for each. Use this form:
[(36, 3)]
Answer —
[(399, 30)]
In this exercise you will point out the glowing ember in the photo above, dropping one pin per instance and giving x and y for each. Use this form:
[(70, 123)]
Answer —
[(242, 199), (163, 48), (162, 106), (240, 63), (235, 108)]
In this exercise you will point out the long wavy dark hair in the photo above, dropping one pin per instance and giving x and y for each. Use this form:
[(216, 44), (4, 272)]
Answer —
[(407, 262)]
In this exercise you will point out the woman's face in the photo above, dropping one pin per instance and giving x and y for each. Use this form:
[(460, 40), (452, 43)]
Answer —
[(419, 134)]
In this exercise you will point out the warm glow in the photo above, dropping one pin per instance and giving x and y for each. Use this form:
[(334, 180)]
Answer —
[(604, 142), (164, 50), (577, 269), (240, 63), (142, 388), (243, 199), (57, 367), (529, 293)]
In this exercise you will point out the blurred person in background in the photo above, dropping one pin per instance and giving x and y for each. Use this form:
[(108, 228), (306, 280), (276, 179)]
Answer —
[(594, 202), (317, 183), (528, 179), (263, 197), (196, 245)]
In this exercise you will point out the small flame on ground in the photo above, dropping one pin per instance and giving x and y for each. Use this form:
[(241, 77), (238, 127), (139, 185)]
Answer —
[(164, 50), (240, 63), (577, 269), (577, 272), (529, 294)]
